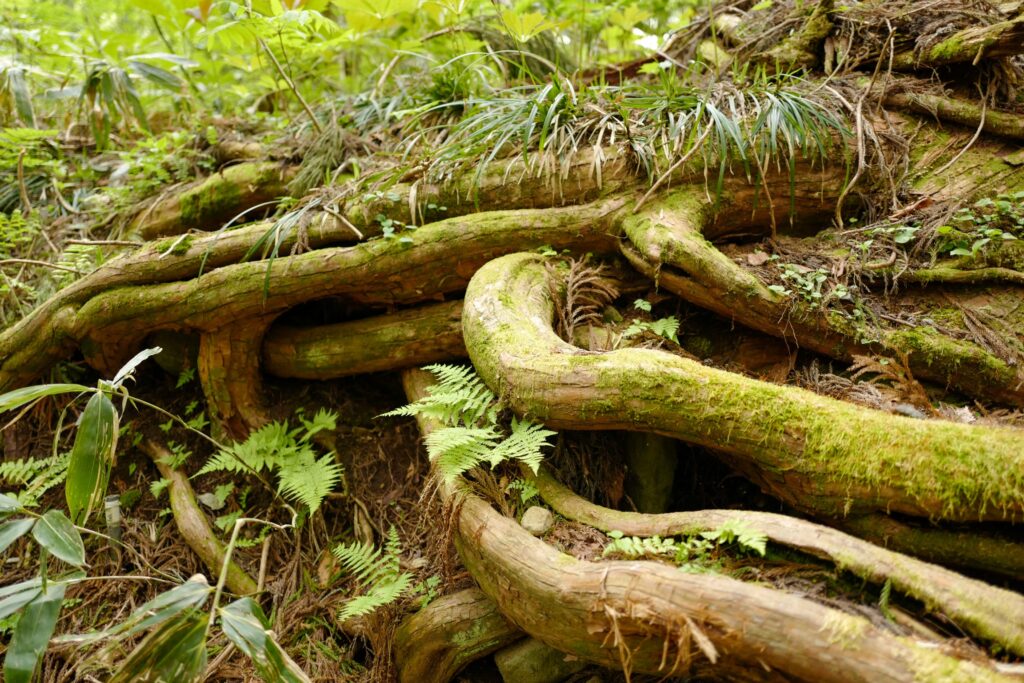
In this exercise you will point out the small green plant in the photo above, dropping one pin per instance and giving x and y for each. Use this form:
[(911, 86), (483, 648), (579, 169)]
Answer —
[(974, 227), (377, 572), (472, 434), (666, 328), (289, 454), (693, 553)]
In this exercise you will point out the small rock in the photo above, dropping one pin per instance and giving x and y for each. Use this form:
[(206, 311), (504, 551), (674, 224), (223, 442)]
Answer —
[(909, 411), (538, 521), (758, 258)]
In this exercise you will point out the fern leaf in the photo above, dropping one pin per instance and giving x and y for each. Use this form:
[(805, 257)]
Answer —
[(456, 450), (523, 444), (381, 594), (309, 481)]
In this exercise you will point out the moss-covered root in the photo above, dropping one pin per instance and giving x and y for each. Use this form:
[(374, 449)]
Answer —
[(229, 371), (413, 337), (959, 111), (818, 454), (984, 611), (665, 241), (802, 47), (111, 324), (647, 617), (210, 203), (192, 524), (1002, 39), (434, 644), (966, 548)]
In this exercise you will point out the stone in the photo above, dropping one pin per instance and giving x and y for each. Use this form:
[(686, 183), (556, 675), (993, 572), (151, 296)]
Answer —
[(538, 521), (531, 661)]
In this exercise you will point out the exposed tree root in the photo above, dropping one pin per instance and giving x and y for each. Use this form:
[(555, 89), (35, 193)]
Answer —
[(210, 203), (192, 524), (669, 234), (229, 370), (970, 549), (970, 45), (820, 455), (959, 111), (426, 334), (651, 618), (432, 645), (987, 612), (111, 325)]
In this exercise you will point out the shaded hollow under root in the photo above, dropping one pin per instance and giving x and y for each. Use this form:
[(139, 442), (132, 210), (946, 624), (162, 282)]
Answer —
[(818, 454), (647, 617), (987, 612)]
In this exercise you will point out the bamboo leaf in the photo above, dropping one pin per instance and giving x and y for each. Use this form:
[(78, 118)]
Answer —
[(33, 634), (91, 457), (19, 397), (13, 530), (246, 626), (174, 651), (55, 532)]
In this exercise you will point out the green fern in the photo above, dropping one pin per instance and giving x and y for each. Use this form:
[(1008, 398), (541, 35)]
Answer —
[(36, 476), (289, 454), (377, 571), (472, 435)]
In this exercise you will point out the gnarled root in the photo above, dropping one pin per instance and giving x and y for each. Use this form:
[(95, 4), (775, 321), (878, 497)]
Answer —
[(651, 618), (985, 611), (434, 644), (817, 454), (229, 371)]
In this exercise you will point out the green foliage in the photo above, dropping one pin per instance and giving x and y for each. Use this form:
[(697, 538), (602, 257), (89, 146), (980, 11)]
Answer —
[(377, 572), (472, 435), (289, 454), (34, 476), (694, 553), (988, 219)]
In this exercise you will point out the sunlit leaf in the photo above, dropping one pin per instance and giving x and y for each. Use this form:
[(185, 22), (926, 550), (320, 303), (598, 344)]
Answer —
[(19, 397), (55, 532), (525, 25)]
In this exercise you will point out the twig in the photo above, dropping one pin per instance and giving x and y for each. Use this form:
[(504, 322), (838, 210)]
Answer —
[(291, 85), (34, 262), (977, 134), (105, 243)]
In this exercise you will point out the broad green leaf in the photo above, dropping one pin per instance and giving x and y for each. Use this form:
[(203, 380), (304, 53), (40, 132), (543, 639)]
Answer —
[(525, 25), (91, 457), (158, 76), (55, 532), (19, 397), (246, 626), (13, 530), (22, 97), (174, 651), (33, 634), (380, 9), (16, 596)]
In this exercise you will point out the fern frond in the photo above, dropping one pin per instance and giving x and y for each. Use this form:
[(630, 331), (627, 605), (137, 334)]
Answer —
[(263, 449), (523, 444), (456, 450), (308, 480), (458, 398), (20, 472), (382, 594)]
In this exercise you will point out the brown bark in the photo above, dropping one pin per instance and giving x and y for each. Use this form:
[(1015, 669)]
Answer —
[(647, 617), (192, 524), (818, 454), (434, 644), (982, 610), (414, 337), (1002, 39)]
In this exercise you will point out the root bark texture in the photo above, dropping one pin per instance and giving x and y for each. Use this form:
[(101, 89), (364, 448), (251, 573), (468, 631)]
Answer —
[(647, 617), (820, 455)]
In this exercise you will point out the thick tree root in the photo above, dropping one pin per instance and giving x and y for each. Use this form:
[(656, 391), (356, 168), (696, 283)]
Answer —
[(970, 45), (959, 111), (414, 337), (229, 371), (818, 454), (651, 618), (210, 203), (984, 611), (192, 524), (666, 241), (969, 549), (434, 644), (111, 325)]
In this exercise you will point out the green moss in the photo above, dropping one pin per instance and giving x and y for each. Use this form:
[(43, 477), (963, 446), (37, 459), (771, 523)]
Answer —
[(946, 50)]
